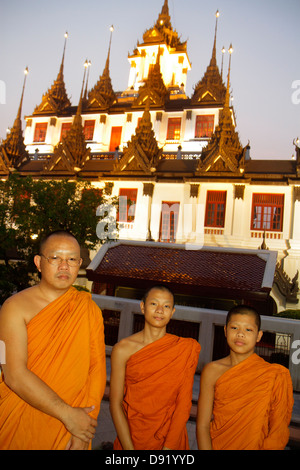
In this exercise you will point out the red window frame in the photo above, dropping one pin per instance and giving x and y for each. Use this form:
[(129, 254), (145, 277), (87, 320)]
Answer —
[(88, 129), (215, 208), (65, 127), (115, 138), (127, 204), (204, 125), (169, 221), (174, 127), (40, 132), (267, 212)]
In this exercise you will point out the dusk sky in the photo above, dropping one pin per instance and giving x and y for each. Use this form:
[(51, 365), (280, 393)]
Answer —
[(265, 35)]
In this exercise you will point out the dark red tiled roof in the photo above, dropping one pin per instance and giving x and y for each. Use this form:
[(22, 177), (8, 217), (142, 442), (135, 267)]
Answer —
[(195, 268)]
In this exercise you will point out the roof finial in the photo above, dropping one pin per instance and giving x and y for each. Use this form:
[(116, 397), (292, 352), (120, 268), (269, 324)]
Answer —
[(63, 56), (164, 19), (26, 71), (106, 69), (223, 52), (65, 43), (227, 97), (111, 29), (87, 64), (214, 55)]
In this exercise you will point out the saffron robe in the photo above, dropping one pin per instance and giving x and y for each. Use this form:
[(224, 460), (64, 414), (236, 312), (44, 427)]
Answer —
[(252, 407), (158, 393), (66, 350)]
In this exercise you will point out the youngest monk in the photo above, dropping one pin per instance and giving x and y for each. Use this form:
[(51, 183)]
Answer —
[(151, 383), (245, 403)]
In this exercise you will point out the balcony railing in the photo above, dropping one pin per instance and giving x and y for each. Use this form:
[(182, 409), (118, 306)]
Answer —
[(282, 336)]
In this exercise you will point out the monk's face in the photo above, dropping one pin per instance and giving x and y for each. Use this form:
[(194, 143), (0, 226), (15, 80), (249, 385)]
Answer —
[(158, 307), (61, 275), (242, 333)]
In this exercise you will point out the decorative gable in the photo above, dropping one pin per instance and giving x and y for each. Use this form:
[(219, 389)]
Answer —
[(142, 152)]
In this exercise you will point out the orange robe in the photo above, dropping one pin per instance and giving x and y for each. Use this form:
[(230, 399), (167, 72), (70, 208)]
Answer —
[(252, 407), (158, 393), (66, 350)]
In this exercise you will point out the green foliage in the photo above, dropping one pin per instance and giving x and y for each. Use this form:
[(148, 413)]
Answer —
[(294, 314), (30, 209)]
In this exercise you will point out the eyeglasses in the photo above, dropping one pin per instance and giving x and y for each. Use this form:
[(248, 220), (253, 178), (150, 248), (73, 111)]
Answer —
[(57, 260)]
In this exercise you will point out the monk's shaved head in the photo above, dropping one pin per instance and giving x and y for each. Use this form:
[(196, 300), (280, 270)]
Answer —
[(159, 287), (244, 310), (63, 233)]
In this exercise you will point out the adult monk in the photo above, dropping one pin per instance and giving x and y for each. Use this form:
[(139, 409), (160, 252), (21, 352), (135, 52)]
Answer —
[(54, 377), (245, 403), (151, 382)]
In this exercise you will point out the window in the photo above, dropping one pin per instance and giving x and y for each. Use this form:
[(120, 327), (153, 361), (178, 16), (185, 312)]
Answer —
[(40, 132), (215, 209), (204, 126), (174, 125), (115, 138), (127, 204), (267, 212), (169, 221), (88, 130), (65, 127)]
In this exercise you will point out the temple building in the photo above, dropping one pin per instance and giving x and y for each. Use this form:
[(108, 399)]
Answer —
[(176, 162)]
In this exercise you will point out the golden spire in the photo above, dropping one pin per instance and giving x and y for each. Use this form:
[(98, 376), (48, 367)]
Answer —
[(55, 100), (227, 96), (223, 52), (26, 71), (163, 32), (61, 70), (72, 151), (213, 61), (224, 152), (13, 147), (102, 95), (210, 88), (74, 138), (88, 64), (164, 18)]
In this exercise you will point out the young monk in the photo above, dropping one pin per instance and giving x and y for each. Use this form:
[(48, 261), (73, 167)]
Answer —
[(54, 373), (245, 403), (152, 374)]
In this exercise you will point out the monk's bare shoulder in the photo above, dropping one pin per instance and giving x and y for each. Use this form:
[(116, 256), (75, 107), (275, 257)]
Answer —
[(213, 370), (128, 346), (25, 304)]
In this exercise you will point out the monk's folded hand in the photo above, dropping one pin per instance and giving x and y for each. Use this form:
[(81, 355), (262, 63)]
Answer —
[(80, 424), (77, 444)]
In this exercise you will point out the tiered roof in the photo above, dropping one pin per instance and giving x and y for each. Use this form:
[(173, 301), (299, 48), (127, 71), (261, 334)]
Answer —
[(223, 158)]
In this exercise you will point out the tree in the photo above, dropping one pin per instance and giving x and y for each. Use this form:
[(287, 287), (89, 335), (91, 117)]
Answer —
[(29, 209)]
